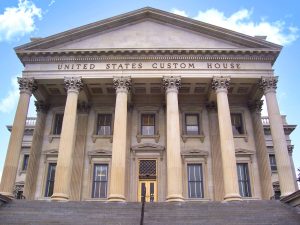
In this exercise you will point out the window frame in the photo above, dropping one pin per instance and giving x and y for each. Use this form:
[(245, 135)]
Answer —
[(201, 181), (184, 135), (141, 127), (26, 155), (148, 110), (94, 181), (53, 130), (46, 192), (98, 126), (186, 125), (273, 165), (248, 182), (103, 111)]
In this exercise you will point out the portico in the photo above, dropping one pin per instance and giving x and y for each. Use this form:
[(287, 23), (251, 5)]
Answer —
[(180, 115)]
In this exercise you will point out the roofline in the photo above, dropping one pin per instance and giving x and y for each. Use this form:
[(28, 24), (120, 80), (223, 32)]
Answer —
[(154, 14)]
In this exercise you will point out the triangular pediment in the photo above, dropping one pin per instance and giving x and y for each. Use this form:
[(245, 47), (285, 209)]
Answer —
[(147, 28)]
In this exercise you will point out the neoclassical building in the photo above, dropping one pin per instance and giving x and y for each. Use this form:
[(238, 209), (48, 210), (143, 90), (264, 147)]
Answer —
[(149, 99)]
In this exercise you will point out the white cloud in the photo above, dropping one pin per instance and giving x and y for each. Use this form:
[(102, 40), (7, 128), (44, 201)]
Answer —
[(17, 21), (241, 21), (179, 12), (8, 103)]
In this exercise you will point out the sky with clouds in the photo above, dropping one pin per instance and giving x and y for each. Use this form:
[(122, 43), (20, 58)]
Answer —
[(278, 20)]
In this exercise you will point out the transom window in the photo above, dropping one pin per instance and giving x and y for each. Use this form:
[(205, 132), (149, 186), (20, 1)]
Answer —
[(58, 120), (243, 179), (100, 181), (273, 162), (191, 124), (25, 162), (237, 124), (195, 181), (148, 124), (104, 124), (50, 180)]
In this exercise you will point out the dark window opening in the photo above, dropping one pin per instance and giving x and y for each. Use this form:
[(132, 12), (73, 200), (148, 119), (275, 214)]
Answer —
[(50, 180), (100, 181), (195, 181), (148, 124), (243, 179), (104, 124)]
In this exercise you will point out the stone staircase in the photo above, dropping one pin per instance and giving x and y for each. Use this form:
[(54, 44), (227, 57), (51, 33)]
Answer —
[(22, 212)]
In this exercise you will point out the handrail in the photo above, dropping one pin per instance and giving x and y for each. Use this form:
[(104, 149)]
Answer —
[(143, 205)]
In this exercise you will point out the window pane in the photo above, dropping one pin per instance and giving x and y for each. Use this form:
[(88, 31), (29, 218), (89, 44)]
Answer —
[(148, 124), (273, 162), (191, 119), (58, 123), (104, 124), (25, 162), (237, 124), (195, 182), (243, 179), (147, 130), (192, 124), (100, 181), (50, 179)]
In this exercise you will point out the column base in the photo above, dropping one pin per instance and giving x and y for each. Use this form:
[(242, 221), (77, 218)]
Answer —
[(232, 197), (60, 197), (175, 198), (8, 194), (116, 198)]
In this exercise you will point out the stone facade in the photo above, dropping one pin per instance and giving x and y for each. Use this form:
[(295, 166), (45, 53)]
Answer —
[(150, 100)]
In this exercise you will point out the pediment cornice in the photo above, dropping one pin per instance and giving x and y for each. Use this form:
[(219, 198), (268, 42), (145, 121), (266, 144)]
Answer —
[(249, 44)]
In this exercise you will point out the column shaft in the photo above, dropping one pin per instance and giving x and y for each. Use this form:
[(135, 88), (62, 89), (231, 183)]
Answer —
[(66, 144), (286, 178), (15, 142), (35, 151), (174, 164), (118, 166), (261, 151), (79, 151), (231, 187), (218, 180)]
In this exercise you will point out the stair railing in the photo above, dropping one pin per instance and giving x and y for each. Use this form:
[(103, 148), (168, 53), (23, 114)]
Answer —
[(143, 205)]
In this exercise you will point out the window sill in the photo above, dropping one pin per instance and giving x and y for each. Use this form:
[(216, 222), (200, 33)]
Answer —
[(187, 136), (139, 137), (53, 136), (95, 137), (245, 136)]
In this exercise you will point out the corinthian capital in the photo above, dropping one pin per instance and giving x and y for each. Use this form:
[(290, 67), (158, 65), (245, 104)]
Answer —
[(27, 85), (41, 106), (122, 84), (268, 84), (256, 106), (73, 84), (220, 83), (171, 83)]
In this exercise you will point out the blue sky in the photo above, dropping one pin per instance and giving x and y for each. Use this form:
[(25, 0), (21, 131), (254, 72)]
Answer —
[(279, 20)]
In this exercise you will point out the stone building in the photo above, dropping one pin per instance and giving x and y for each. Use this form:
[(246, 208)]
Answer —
[(153, 100)]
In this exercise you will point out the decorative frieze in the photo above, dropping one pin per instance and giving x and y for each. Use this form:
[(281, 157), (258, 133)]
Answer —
[(27, 85), (122, 83), (171, 83), (41, 106), (74, 84), (220, 83), (256, 106), (268, 84)]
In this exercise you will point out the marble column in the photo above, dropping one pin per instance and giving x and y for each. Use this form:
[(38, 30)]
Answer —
[(261, 150), (174, 163), (231, 188), (63, 172), (284, 168), (26, 87), (118, 165), (214, 134), (290, 150), (35, 150), (79, 151)]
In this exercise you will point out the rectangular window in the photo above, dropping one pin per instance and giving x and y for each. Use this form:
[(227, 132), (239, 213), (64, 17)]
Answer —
[(195, 181), (192, 124), (104, 124), (148, 124), (243, 179), (50, 180), (100, 181), (58, 120), (25, 162), (273, 162), (237, 123)]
